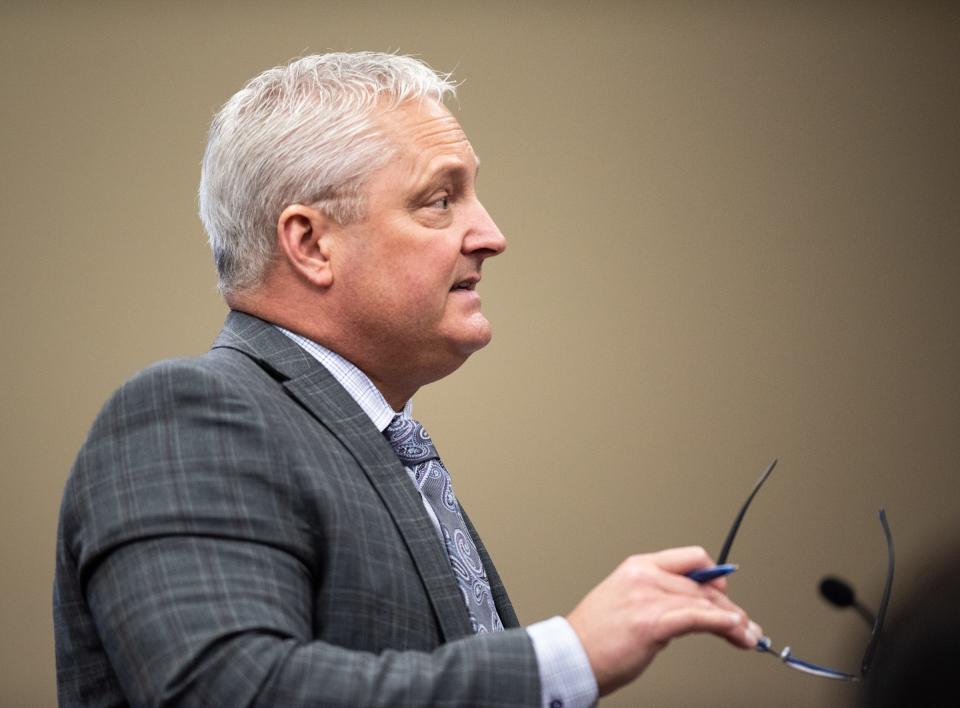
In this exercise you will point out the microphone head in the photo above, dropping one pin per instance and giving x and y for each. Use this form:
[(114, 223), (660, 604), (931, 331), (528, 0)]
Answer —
[(837, 592)]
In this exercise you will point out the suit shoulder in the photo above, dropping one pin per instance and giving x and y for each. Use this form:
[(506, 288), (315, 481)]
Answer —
[(210, 377), (217, 365), (184, 443), (220, 393)]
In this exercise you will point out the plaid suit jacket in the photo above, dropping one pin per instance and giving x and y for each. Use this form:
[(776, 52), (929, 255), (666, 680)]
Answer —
[(236, 532)]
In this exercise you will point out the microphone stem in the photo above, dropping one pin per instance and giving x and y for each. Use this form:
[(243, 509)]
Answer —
[(865, 613)]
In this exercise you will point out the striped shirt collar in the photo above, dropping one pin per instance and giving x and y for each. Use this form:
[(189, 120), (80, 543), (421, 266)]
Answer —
[(357, 383)]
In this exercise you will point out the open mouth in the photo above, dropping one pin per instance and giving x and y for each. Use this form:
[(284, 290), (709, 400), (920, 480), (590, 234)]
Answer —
[(465, 285)]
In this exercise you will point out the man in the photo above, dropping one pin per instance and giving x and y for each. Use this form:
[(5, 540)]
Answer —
[(265, 524)]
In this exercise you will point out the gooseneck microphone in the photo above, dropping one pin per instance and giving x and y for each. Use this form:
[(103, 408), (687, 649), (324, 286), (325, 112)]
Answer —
[(840, 594)]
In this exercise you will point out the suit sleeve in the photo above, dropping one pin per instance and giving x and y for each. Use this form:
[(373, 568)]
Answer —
[(191, 547)]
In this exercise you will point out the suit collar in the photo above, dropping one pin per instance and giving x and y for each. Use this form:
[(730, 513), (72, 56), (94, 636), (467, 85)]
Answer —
[(263, 343), (313, 387)]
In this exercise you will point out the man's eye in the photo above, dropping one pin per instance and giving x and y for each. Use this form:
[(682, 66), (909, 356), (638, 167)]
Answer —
[(442, 203)]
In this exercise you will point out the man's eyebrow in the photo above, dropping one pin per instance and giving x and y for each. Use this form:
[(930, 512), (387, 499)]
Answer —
[(457, 171)]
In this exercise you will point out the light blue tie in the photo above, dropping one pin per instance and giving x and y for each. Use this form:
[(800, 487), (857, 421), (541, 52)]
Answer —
[(415, 449)]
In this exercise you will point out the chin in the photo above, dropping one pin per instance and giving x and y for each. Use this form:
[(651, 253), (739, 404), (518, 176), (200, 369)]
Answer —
[(450, 355), (460, 345), (477, 335)]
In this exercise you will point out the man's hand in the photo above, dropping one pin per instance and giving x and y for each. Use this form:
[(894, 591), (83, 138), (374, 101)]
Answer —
[(636, 611)]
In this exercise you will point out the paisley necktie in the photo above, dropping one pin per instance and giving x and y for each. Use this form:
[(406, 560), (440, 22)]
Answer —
[(415, 449)]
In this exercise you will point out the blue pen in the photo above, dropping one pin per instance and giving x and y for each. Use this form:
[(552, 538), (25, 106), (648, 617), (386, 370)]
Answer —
[(705, 575)]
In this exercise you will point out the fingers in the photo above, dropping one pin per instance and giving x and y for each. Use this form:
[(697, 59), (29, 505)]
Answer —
[(734, 626), (700, 607), (626, 620), (682, 560), (718, 584), (721, 611), (679, 583), (674, 581)]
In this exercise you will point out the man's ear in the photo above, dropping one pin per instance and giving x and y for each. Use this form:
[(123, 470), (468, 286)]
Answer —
[(304, 241)]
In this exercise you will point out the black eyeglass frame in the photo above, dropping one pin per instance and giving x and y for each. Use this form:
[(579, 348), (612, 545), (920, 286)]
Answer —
[(765, 645)]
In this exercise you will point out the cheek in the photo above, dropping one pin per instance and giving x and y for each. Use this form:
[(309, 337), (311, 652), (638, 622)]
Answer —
[(409, 298), (412, 290), (426, 279)]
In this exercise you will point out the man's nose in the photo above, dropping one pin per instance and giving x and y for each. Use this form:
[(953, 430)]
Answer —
[(483, 235)]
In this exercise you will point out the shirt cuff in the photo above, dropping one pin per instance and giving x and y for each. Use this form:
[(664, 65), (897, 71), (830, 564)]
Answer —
[(566, 679)]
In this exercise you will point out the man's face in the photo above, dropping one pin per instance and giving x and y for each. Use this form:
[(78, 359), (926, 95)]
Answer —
[(408, 272)]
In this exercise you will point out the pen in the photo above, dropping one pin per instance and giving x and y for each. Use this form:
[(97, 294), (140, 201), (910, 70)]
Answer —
[(705, 575)]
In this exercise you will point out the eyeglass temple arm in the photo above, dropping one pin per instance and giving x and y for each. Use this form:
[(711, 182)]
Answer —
[(765, 645), (885, 600), (725, 551)]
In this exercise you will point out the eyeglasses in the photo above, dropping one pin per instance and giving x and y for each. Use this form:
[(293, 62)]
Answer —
[(765, 645)]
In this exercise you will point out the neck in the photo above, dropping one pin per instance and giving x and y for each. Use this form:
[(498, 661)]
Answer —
[(395, 396), (394, 385)]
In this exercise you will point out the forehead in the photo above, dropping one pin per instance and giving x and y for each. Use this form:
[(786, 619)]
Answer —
[(426, 130)]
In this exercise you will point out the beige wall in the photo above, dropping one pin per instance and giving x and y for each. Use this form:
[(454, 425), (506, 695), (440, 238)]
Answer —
[(733, 235)]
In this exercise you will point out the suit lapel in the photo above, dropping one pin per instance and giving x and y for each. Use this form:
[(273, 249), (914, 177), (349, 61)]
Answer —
[(311, 385), (508, 615)]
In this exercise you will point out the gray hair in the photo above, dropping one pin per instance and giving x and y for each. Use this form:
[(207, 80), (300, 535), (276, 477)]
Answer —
[(304, 133)]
